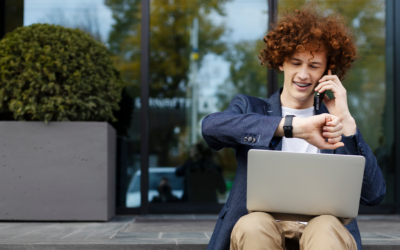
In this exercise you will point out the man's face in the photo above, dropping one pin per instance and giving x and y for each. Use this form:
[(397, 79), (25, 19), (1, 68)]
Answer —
[(301, 74)]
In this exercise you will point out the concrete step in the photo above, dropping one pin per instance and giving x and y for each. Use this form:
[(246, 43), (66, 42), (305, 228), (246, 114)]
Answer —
[(157, 232), (138, 247), (102, 247)]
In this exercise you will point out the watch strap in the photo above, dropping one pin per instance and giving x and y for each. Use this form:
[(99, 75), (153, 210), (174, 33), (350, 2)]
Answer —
[(287, 126)]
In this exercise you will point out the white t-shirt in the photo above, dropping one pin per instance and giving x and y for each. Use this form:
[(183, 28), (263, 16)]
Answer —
[(296, 144)]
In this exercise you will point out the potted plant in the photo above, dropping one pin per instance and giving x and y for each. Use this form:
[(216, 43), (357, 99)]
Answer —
[(58, 89)]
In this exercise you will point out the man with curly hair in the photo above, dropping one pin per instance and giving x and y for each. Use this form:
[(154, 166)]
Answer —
[(314, 51)]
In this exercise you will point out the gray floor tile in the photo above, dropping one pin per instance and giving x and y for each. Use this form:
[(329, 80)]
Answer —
[(209, 234), (382, 242), (375, 236), (192, 241), (137, 235), (172, 226), (184, 235), (144, 241), (206, 217), (22, 230), (166, 217), (395, 235), (393, 217), (180, 217), (96, 231), (379, 226)]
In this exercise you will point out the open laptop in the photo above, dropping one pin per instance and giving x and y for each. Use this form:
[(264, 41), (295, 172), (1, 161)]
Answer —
[(300, 186)]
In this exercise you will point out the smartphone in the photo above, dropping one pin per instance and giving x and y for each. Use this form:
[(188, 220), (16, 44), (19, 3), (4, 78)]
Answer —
[(319, 97)]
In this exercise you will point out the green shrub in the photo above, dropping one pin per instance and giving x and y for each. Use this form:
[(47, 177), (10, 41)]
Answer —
[(52, 73)]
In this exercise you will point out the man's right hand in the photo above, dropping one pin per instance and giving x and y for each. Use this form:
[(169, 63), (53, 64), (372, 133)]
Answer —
[(315, 129)]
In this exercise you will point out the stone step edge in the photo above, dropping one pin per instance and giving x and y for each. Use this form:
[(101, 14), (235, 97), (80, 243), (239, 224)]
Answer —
[(80, 246)]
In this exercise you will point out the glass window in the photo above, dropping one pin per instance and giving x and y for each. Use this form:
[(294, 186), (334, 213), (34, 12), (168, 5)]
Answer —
[(370, 96), (202, 53), (115, 23)]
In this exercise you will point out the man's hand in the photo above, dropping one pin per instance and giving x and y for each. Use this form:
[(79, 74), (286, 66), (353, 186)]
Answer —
[(315, 129), (338, 105)]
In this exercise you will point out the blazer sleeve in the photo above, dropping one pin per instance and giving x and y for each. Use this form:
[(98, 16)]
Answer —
[(373, 186), (230, 127)]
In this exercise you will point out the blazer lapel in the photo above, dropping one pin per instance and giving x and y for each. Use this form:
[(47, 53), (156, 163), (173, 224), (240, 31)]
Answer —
[(274, 104)]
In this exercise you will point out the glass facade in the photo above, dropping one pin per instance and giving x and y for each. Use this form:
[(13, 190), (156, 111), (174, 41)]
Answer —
[(202, 53)]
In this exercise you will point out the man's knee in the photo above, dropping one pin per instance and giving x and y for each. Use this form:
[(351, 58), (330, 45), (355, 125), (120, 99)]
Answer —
[(257, 230), (324, 222), (326, 232), (256, 222)]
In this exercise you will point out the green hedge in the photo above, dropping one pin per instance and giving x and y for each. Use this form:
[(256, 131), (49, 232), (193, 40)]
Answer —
[(52, 73)]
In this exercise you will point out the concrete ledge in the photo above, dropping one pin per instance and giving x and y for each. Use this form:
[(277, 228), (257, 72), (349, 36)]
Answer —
[(100, 247), (169, 232), (138, 247)]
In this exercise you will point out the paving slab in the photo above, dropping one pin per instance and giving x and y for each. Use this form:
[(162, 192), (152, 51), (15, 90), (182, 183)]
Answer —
[(378, 232)]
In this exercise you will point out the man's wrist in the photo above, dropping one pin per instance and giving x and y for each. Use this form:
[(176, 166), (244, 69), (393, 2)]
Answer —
[(298, 131), (349, 126)]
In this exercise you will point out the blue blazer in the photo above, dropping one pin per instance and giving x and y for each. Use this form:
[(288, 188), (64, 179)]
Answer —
[(259, 118)]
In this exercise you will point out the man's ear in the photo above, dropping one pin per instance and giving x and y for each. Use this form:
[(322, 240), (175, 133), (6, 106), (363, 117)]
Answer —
[(281, 68)]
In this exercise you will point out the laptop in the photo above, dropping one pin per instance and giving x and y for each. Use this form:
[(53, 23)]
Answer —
[(300, 186)]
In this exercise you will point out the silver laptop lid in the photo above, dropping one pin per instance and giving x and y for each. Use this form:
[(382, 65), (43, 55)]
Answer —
[(304, 183)]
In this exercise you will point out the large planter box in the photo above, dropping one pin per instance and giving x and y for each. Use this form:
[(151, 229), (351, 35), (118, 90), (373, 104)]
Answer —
[(60, 171)]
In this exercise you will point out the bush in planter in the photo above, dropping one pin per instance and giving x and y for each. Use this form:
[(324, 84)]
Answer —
[(52, 73)]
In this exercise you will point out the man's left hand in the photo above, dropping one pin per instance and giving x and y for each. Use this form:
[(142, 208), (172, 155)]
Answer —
[(338, 105)]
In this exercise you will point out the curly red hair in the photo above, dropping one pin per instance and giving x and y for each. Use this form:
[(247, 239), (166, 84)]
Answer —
[(310, 29)]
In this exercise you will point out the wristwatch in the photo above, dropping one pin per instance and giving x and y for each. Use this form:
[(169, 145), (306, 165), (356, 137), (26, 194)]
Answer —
[(287, 126)]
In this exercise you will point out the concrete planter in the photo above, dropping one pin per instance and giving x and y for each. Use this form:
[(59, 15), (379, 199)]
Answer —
[(60, 171)]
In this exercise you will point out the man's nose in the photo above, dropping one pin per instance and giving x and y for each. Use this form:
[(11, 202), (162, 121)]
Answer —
[(303, 74)]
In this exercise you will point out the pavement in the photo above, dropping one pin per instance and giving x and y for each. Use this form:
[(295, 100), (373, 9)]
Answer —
[(169, 232)]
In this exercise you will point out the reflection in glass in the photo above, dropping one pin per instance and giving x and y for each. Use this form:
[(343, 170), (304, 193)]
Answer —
[(202, 176), (201, 55), (164, 186), (368, 91)]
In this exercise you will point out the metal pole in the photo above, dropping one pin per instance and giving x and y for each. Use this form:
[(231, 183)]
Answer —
[(272, 74), (2, 18), (394, 7), (194, 37), (144, 111)]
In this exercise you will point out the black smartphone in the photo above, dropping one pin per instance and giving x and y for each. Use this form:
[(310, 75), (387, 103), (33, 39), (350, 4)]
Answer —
[(319, 97)]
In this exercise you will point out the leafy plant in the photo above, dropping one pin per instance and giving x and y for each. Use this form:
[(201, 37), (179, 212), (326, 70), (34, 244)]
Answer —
[(52, 73)]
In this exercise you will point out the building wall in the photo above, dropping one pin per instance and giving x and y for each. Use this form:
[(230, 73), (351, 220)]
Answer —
[(209, 61)]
